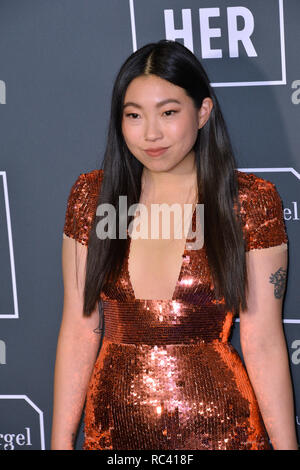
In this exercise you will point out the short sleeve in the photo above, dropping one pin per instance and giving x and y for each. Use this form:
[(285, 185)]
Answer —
[(262, 213), (81, 206)]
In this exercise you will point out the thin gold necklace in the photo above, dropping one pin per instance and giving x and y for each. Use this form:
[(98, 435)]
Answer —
[(187, 216)]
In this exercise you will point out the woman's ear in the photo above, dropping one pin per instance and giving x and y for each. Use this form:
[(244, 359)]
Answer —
[(204, 111)]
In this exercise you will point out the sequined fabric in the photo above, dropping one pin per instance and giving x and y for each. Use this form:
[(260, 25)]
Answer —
[(166, 376)]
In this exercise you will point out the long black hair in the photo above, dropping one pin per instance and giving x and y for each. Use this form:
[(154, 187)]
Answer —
[(216, 178)]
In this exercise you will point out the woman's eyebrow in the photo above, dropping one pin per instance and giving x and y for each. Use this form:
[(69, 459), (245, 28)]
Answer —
[(158, 105)]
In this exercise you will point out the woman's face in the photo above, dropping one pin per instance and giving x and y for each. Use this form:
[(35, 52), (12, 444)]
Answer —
[(150, 122)]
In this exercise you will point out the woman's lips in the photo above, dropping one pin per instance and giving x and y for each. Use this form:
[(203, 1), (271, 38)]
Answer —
[(156, 152)]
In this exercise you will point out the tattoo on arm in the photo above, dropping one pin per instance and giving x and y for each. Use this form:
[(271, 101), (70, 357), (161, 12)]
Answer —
[(279, 281)]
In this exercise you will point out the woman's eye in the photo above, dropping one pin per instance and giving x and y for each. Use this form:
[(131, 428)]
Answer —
[(135, 115), (170, 111), (132, 114)]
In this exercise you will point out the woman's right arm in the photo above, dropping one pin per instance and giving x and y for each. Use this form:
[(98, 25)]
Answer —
[(76, 352)]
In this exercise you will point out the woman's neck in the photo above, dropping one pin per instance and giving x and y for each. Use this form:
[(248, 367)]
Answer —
[(177, 185)]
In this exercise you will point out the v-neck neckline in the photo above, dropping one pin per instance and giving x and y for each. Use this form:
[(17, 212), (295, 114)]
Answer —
[(182, 266)]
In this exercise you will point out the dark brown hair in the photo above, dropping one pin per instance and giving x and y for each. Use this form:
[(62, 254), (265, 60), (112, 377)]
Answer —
[(216, 176)]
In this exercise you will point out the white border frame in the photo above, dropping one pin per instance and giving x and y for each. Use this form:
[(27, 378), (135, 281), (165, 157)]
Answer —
[(11, 251), (233, 84), (3, 174), (33, 405)]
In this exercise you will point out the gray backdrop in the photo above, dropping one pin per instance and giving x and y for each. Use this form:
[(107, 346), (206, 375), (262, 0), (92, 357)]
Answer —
[(58, 60)]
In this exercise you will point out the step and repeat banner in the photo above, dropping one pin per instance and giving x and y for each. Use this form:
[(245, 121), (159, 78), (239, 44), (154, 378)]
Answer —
[(58, 61)]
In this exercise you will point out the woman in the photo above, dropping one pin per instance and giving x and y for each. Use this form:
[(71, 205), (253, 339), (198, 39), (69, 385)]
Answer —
[(166, 376)]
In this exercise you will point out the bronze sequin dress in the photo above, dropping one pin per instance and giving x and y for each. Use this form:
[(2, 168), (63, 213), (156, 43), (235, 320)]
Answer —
[(166, 376)]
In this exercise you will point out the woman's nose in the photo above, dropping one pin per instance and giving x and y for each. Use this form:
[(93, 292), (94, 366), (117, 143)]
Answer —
[(152, 130)]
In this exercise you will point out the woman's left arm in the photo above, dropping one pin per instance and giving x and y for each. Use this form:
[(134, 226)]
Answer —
[(264, 346)]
